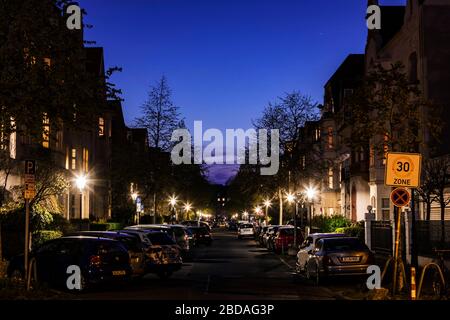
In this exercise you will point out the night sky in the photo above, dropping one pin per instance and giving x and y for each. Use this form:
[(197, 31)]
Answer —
[(225, 59)]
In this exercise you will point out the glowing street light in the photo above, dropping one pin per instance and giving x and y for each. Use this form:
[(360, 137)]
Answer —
[(310, 193), (267, 204), (187, 208), (173, 201), (81, 182), (290, 197)]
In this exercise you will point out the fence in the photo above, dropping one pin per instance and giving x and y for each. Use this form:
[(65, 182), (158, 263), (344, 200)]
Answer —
[(432, 234), (381, 237)]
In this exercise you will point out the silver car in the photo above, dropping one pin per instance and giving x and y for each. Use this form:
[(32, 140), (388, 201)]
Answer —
[(343, 256)]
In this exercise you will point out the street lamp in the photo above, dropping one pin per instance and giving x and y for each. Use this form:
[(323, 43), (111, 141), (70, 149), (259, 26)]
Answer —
[(134, 196), (311, 193), (291, 198), (173, 202), (267, 204), (81, 182), (187, 208), (245, 215)]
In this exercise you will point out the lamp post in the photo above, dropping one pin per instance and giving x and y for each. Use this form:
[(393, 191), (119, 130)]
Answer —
[(187, 209), (134, 196), (310, 195), (81, 182), (173, 202), (267, 204), (292, 199)]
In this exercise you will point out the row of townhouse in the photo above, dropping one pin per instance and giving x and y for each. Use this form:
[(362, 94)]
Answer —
[(79, 152), (352, 178)]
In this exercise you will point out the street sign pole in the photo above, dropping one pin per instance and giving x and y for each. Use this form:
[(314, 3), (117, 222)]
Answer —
[(27, 238), (397, 246), (29, 193)]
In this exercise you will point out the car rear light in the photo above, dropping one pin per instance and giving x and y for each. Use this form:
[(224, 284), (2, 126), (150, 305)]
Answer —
[(95, 261)]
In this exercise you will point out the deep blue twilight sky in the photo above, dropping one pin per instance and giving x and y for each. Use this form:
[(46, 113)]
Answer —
[(225, 59)]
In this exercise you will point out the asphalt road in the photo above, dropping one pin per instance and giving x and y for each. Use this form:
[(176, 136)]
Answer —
[(230, 269)]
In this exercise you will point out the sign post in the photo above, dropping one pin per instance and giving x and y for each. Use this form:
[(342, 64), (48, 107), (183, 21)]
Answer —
[(402, 170), (29, 193)]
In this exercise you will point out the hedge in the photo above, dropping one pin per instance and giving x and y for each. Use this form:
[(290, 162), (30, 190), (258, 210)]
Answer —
[(355, 230), (42, 236), (105, 226)]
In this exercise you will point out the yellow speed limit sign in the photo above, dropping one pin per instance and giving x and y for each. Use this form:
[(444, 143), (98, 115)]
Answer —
[(403, 169)]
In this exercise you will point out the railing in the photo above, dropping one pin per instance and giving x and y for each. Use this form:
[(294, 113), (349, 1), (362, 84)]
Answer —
[(381, 237)]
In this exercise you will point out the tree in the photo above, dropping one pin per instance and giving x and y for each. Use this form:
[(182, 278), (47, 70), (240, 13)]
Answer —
[(387, 110), (288, 114), (428, 185), (159, 115)]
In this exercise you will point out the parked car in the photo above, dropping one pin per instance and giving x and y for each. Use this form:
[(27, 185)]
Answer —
[(337, 257), (136, 249), (163, 255), (284, 238), (260, 237), (155, 227), (201, 235), (245, 230), (99, 259), (269, 237), (308, 245), (181, 238), (195, 223)]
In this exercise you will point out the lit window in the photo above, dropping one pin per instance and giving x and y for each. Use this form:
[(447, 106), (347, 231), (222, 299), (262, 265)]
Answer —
[(85, 160), (48, 62), (385, 147), (330, 138), (101, 126), (74, 159), (317, 134), (330, 178), (67, 158), (46, 131)]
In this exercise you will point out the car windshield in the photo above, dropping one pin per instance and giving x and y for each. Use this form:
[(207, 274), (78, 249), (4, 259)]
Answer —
[(343, 244), (160, 238)]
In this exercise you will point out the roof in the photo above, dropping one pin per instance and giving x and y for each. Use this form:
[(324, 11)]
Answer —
[(351, 67)]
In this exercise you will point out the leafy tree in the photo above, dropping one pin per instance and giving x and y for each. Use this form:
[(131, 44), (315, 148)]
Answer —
[(386, 110)]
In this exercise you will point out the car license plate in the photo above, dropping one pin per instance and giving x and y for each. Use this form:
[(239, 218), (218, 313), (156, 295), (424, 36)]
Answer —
[(119, 273), (350, 259)]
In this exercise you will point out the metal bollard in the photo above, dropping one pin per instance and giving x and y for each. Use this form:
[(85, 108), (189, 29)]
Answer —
[(413, 284)]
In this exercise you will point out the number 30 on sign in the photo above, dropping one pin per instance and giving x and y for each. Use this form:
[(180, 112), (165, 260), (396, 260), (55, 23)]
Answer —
[(403, 169)]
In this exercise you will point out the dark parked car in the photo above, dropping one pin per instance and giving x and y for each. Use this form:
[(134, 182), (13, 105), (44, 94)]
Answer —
[(133, 244), (201, 236), (100, 260), (194, 223), (337, 257), (163, 255), (181, 238), (261, 234)]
